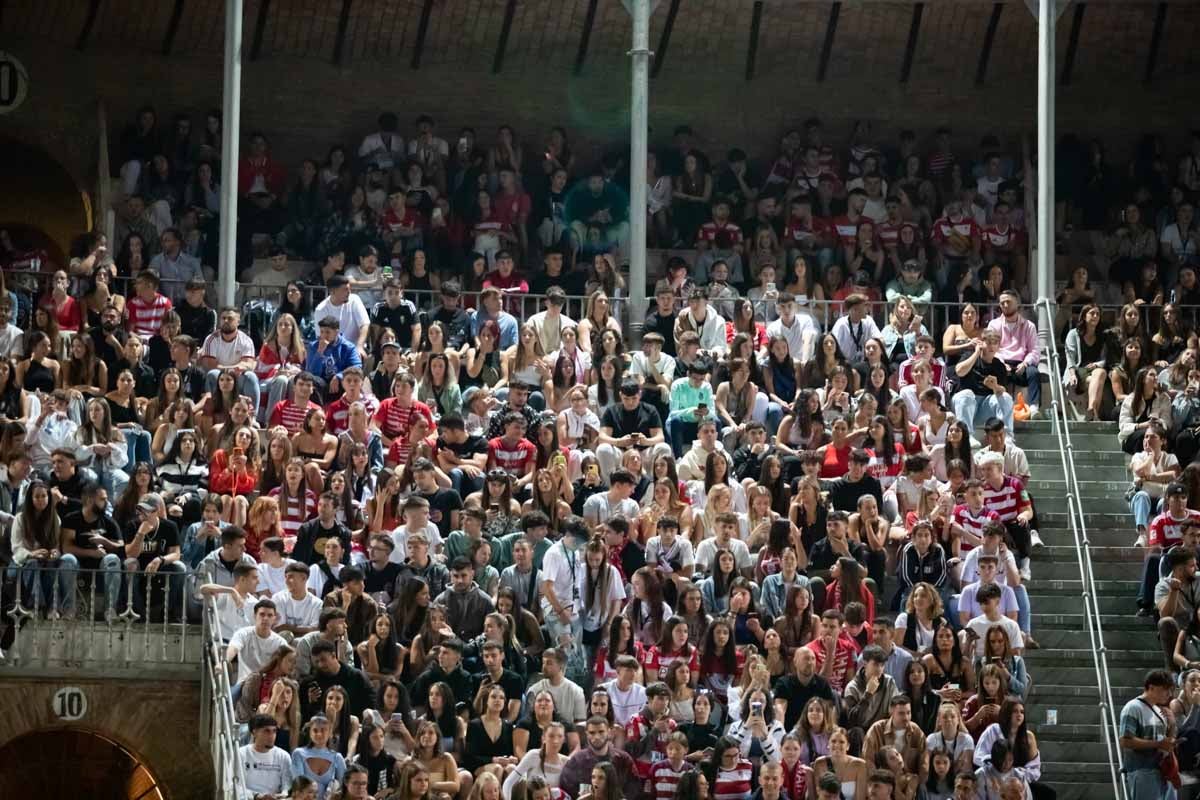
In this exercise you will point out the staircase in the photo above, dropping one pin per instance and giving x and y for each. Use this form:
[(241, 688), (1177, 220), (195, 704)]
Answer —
[(1074, 755)]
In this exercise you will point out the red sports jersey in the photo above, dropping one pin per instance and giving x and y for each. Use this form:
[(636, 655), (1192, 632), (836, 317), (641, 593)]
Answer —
[(657, 662), (709, 230), (514, 460), (290, 415), (1008, 239), (337, 413), (1166, 531), (944, 227), (664, 778), (146, 318), (846, 229), (844, 658), (973, 522), (1008, 501)]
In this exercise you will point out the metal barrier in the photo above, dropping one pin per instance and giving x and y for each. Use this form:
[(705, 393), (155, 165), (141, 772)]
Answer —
[(217, 722), (60, 617), (1109, 722)]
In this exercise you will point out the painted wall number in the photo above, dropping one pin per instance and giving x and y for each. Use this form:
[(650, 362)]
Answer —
[(69, 703)]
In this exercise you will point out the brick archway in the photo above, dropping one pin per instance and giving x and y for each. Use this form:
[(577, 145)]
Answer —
[(41, 195), (99, 767)]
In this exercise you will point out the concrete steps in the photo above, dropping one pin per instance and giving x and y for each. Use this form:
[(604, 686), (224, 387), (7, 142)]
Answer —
[(1075, 760)]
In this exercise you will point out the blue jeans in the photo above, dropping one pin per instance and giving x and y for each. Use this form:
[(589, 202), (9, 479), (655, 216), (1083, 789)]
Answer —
[(774, 417), (48, 583), (246, 384), (681, 431), (137, 442), (1032, 379), (1144, 507), (1147, 784), (173, 574), (463, 483), (968, 407)]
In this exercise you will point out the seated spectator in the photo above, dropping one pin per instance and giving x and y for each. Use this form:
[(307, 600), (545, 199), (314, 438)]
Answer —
[(347, 309), (597, 211), (144, 311), (982, 377)]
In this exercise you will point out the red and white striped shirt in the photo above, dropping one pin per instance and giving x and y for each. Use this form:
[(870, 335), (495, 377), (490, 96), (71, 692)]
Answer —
[(144, 318), (733, 784), (973, 522), (638, 728), (293, 513), (394, 420), (514, 460), (844, 657), (1166, 531), (290, 415), (1007, 501), (337, 413), (664, 778), (709, 230)]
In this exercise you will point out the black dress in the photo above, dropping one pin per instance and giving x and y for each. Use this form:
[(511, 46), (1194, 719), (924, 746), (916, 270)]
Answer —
[(480, 749)]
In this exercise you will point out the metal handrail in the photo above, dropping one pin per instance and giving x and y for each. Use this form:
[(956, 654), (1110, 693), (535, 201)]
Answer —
[(1109, 722), (221, 728)]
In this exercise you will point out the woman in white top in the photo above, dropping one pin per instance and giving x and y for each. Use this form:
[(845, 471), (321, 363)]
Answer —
[(525, 362), (913, 393), (1152, 469), (578, 430), (922, 612), (101, 446), (951, 735), (934, 421), (544, 764), (758, 725)]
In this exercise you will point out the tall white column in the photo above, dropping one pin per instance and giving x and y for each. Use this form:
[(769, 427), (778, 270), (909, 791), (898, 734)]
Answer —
[(231, 125), (639, 116), (1044, 268)]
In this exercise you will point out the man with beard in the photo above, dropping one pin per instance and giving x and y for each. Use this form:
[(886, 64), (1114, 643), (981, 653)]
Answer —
[(109, 337), (231, 349)]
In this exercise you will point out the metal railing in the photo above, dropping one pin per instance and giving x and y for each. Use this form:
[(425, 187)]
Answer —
[(61, 617), (1109, 723), (218, 724)]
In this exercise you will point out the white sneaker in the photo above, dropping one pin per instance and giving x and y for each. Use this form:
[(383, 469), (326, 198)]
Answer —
[(1141, 539), (1035, 539), (1025, 573), (1033, 411)]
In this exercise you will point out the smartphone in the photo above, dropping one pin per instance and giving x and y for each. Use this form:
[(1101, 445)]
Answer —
[(237, 451), (584, 788), (952, 687), (559, 458), (756, 709), (593, 469), (702, 409), (770, 287), (495, 507)]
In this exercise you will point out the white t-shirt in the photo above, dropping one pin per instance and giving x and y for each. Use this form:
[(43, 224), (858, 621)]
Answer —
[(924, 635), (351, 316), (626, 705), (270, 579), (679, 555), (317, 578), (707, 551), (981, 624), (596, 617), (253, 650), (598, 508), (266, 773), (230, 617), (400, 540), (800, 336), (372, 293), (303, 613), (563, 569), (228, 352), (1166, 461), (970, 566)]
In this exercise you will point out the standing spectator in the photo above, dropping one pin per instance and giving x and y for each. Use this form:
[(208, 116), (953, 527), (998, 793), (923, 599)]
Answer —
[(1146, 736), (144, 311), (347, 309), (175, 267)]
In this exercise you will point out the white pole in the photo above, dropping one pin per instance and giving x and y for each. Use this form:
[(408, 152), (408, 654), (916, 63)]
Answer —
[(639, 115), (231, 125), (1044, 271)]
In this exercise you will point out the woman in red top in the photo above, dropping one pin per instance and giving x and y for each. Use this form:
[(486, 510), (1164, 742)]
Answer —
[(720, 661), (888, 460), (621, 642), (234, 474), (903, 431), (672, 646), (743, 322), (280, 358), (835, 456), (66, 309), (261, 524)]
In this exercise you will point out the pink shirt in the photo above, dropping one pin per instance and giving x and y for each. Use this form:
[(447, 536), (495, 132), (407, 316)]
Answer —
[(1018, 340)]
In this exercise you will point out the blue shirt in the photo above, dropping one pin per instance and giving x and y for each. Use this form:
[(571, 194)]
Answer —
[(507, 322), (337, 356)]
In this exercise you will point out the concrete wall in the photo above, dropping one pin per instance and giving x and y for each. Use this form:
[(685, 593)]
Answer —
[(157, 721)]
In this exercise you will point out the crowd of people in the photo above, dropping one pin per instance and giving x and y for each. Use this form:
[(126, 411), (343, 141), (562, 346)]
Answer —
[(464, 545)]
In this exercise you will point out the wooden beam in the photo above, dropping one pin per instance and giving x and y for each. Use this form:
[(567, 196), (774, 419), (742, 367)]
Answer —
[(1072, 44), (835, 11), (752, 50), (989, 38), (89, 22), (339, 45), (260, 28), (422, 32), (510, 11), (1160, 21), (172, 27), (910, 48), (664, 41), (585, 37)]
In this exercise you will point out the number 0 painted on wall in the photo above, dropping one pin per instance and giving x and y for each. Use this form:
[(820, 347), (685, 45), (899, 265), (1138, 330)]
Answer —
[(14, 83), (69, 703)]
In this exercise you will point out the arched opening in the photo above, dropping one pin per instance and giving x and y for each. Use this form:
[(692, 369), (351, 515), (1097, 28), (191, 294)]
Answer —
[(40, 197), (69, 763)]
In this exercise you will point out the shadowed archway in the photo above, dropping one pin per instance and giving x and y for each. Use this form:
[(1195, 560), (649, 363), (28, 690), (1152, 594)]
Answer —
[(40, 195), (70, 763)]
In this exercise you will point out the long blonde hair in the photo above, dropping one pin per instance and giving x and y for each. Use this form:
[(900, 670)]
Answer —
[(519, 357), (291, 714), (295, 343)]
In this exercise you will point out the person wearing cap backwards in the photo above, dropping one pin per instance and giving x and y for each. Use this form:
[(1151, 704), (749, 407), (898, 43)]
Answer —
[(911, 283), (549, 324), (153, 541)]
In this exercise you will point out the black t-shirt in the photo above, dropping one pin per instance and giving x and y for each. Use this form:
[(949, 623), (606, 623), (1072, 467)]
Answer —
[(663, 324), (798, 694), (400, 319), (510, 682), (473, 445), (310, 541), (84, 531), (641, 420), (529, 724), (157, 543), (105, 351), (844, 493), (380, 580), (572, 282), (71, 490), (441, 503), (973, 380), (822, 557)]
